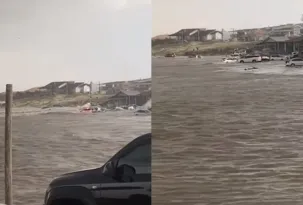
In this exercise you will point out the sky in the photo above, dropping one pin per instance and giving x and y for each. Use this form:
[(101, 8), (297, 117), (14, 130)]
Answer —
[(171, 15), (96, 40)]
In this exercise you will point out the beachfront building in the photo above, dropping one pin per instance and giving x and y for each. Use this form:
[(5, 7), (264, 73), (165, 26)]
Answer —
[(288, 30), (197, 34), (282, 44), (128, 98), (82, 88)]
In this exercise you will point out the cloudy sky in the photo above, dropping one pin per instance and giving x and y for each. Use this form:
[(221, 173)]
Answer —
[(94, 40), (172, 15)]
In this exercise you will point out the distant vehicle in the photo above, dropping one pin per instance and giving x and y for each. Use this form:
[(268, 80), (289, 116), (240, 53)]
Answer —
[(194, 56), (119, 109), (170, 55), (96, 109), (265, 58), (230, 60), (142, 112), (131, 108), (295, 62), (277, 57), (250, 59), (124, 179)]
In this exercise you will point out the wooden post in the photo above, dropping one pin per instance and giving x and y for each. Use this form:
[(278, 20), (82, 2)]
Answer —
[(90, 92), (8, 144)]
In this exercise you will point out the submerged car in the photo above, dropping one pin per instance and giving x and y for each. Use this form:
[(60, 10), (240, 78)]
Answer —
[(250, 59), (194, 56), (265, 58), (124, 179), (230, 60), (170, 55), (295, 62), (277, 57), (142, 112)]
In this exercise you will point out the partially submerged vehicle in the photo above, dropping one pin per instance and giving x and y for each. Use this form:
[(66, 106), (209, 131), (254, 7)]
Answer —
[(277, 57), (96, 109), (265, 58), (251, 68), (230, 60), (86, 108), (142, 112), (295, 62), (194, 56), (119, 109), (250, 59), (170, 55), (131, 108)]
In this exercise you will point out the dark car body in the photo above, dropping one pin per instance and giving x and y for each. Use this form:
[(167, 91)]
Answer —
[(124, 179)]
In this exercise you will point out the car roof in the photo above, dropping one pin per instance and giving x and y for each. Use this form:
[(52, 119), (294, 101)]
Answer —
[(143, 139)]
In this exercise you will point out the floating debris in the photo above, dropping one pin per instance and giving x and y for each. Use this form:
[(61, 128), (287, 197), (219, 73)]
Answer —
[(251, 68)]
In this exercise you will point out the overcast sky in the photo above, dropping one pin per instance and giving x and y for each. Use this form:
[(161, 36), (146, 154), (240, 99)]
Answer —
[(94, 40), (172, 15)]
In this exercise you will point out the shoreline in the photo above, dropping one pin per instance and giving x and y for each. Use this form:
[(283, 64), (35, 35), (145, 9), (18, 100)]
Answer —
[(200, 48)]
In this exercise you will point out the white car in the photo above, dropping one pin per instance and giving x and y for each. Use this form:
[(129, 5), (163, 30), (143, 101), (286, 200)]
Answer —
[(265, 58), (277, 57), (230, 60), (295, 62), (250, 59)]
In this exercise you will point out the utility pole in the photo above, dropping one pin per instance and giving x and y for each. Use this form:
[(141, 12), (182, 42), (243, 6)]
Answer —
[(8, 145), (99, 84), (90, 92)]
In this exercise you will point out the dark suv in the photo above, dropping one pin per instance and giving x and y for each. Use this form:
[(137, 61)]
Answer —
[(124, 179)]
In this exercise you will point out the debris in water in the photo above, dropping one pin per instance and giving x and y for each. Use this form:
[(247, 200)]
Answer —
[(251, 68)]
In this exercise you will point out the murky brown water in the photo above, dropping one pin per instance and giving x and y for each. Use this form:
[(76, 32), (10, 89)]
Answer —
[(226, 138), (47, 145)]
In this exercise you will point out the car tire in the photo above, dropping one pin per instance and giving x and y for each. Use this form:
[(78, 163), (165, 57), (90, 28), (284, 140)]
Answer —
[(292, 65), (254, 61), (242, 61)]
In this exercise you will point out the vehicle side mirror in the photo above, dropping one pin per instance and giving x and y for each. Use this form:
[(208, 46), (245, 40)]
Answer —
[(109, 169), (125, 173)]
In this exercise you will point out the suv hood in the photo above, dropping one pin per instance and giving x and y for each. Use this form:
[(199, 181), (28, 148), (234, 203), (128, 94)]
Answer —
[(92, 176)]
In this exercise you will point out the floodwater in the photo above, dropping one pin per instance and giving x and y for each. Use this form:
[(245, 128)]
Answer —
[(48, 145), (226, 136)]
